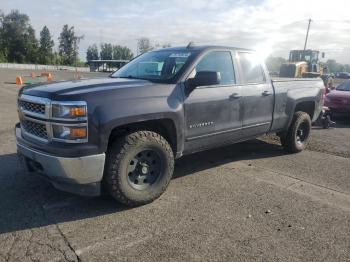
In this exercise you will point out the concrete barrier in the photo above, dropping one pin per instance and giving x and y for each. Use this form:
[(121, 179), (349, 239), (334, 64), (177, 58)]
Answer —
[(43, 67)]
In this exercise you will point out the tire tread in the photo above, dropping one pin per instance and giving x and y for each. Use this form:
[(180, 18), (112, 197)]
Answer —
[(115, 155), (287, 139)]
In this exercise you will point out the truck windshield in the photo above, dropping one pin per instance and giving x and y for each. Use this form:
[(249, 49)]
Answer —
[(345, 86), (157, 65)]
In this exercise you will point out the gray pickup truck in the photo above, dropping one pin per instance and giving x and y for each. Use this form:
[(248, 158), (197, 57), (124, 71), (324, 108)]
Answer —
[(122, 133)]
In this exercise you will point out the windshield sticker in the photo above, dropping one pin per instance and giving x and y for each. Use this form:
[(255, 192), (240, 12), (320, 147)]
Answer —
[(180, 55)]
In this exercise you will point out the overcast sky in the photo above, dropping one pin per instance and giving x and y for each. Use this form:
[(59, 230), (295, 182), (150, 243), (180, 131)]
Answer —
[(271, 26)]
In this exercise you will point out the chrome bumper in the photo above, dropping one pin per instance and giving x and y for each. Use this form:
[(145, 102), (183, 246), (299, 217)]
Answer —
[(79, 175)]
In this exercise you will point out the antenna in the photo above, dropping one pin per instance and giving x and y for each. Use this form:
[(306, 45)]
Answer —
[(190, 45)]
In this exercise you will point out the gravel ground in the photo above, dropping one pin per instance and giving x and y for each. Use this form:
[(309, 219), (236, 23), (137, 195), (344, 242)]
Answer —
[(245, 202)]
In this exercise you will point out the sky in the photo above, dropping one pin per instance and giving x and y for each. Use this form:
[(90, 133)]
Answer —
[(273, 27)]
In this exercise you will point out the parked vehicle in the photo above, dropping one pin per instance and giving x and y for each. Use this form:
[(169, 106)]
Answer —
[(123, 133), (338, 100), (303, 63), (343, 75)]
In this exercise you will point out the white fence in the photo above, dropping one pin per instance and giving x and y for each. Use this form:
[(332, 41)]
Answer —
[(43, 67)]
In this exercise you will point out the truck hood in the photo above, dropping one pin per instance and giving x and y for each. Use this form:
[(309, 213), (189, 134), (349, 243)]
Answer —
[(78, 88)]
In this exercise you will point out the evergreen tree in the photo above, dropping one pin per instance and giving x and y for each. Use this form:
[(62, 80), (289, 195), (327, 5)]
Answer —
[(122, 53), (144, 45), (68, 45), (3, 52), (31, 46), (18, 38), (106, 52), (46, 45), (92, 53)]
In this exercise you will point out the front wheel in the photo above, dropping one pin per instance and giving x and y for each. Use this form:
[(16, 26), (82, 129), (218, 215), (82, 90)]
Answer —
[(139, 167), (298, 135)]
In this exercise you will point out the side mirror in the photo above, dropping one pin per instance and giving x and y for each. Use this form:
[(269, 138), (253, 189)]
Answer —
[(204, 78)]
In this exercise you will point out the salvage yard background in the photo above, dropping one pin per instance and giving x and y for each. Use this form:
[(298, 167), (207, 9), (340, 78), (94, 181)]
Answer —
[(248, 201)]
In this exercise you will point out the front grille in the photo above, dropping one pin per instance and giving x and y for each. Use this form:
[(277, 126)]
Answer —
[(35, 129), (32, 107)]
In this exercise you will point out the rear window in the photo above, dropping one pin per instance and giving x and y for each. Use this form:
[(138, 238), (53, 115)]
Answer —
[(252, 71)]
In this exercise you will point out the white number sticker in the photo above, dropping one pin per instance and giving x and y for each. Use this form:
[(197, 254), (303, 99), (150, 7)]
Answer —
[(180, 55)]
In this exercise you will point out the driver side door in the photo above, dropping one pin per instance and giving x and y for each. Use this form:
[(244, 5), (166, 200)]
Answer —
[(213, 113)]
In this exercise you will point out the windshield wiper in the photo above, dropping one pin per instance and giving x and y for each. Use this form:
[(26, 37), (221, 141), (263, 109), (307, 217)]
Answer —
[(130, 76)]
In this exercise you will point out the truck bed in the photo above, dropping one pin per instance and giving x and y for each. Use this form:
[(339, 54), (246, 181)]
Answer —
[(287, 79), (296, 90)]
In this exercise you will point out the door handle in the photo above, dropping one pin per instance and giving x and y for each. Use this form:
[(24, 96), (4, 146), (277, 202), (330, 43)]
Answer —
[(235, 96), (266, 93)]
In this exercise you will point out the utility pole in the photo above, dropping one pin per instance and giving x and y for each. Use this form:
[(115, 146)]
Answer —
[(307, 34)]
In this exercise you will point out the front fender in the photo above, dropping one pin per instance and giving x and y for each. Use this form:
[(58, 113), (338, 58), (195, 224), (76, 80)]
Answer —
[(133, 111)]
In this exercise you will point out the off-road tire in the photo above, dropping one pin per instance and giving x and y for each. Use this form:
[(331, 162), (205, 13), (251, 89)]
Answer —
[(289, 139), (118, 156)]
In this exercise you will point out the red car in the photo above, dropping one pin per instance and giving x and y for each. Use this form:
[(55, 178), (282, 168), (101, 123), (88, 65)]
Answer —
[(338, 100)]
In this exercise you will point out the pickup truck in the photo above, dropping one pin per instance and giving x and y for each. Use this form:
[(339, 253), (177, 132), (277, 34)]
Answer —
[(121, 134)]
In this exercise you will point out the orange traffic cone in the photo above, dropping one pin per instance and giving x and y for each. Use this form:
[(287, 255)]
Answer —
[(19, 80), (49, 77)]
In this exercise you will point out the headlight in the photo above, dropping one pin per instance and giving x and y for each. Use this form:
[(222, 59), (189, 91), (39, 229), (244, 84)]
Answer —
[(71, 110), (69, 133)]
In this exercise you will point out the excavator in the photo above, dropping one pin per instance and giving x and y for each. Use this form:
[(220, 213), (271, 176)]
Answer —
[(303, 63)]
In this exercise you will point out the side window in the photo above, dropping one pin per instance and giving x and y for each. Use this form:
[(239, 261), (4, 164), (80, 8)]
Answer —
[(252, 71), (218, 61)]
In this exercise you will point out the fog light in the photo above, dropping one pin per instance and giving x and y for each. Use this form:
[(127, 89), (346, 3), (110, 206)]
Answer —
[(69, 132), (79, 132)]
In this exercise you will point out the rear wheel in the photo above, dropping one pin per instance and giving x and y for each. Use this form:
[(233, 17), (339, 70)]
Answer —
[(139, 167), (297, 137)]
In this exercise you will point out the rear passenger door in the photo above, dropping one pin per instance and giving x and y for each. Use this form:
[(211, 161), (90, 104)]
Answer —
[(258, 95)]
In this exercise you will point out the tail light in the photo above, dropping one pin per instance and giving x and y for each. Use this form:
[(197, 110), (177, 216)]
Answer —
[(324, 94)]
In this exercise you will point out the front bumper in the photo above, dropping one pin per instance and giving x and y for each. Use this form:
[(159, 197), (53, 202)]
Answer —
[(78, 175)]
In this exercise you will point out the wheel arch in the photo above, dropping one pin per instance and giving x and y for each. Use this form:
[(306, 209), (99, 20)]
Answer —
[(307, 107), (165, 127)]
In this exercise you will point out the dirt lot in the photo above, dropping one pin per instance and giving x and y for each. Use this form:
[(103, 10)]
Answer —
[(246, 202)]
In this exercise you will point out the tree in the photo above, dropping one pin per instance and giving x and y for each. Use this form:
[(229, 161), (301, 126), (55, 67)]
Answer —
[(122, 53), (166, 45), (1, 16), (92, 53), (106, 52), (77, 61), (56, 59), (68, 45), (31, 46), (144, 45), (333, 66), (346, 68), (18, 42), (274, 63), (46, 45), (2, 45)]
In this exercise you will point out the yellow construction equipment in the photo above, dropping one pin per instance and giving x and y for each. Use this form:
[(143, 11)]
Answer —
[(303, 63)]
